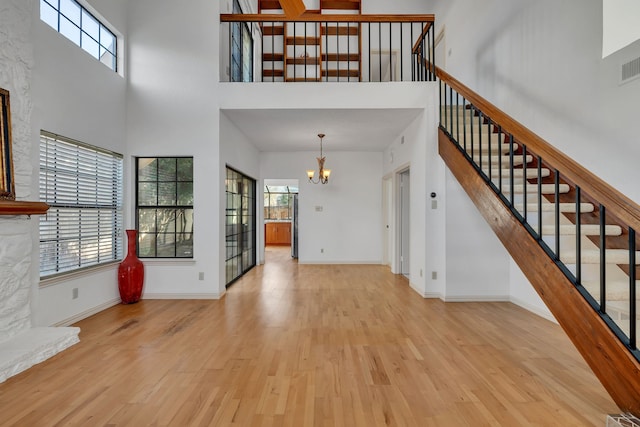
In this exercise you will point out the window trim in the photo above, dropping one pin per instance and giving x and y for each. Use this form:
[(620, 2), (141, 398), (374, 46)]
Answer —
[(101, 24), (175, 207), (117, 232)]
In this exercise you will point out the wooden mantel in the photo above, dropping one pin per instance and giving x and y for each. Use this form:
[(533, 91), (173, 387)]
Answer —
[(11, 207)]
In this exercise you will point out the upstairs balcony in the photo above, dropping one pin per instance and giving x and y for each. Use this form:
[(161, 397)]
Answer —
[(326, 46)]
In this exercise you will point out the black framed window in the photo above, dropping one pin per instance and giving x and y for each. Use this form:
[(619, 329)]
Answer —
[(78, 25), (241, 49), (164, 207), (83, 186)]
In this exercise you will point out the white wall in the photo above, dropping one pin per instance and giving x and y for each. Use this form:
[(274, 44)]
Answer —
[(541, 62), (348, 227), (417, 148), (78, 97), (477, 262), (172, 111), (237, 152)]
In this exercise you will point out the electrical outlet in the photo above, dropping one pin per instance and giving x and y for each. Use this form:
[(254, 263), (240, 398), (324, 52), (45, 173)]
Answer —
[(74, 293), (420, 272), (434, 275), (322, 250), (201, 275)]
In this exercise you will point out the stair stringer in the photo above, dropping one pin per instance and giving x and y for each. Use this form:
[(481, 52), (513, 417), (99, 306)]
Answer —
[(612, 363)]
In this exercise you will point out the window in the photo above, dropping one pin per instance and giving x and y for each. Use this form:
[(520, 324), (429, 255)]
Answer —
[(241, 49), (78, 25), (164, 207), (278, 202), (83, 187)]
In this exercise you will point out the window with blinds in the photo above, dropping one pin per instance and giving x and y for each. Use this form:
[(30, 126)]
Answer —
[(83, 187)]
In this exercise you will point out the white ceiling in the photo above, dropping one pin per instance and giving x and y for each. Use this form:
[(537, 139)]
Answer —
[(345, 130)]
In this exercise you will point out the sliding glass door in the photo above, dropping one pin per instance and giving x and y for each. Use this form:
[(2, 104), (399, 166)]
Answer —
[(240, 223)]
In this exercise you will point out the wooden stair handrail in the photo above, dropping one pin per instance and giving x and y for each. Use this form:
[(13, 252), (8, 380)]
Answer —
[(617, 203), (12, 207), (314, 17)]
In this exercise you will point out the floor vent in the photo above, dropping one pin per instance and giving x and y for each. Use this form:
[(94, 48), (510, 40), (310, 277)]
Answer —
[(623, 420), (630, 71)]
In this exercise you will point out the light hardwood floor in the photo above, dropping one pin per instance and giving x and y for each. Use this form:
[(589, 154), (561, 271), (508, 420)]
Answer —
[(311, 345)]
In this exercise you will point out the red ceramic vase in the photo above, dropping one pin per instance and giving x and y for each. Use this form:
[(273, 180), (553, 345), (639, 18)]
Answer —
[(130, 272)]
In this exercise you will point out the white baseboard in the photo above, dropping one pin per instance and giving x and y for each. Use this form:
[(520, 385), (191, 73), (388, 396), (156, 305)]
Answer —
[(329, 262), (433, 295), (477, 298), (181, 296), (88, 313), (533, 309)]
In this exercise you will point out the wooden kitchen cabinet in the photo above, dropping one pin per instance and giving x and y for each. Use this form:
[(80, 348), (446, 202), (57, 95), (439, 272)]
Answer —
[(278, 233)]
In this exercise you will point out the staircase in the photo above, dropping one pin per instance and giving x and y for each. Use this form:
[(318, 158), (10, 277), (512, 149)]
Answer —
[(571, 234), (494, 154), (312, 51)]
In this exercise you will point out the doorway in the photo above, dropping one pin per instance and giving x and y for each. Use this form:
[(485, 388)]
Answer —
[(404, 221), (281, 215)]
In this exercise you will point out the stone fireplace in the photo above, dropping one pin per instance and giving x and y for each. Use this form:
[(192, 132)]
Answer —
[(21, 344)]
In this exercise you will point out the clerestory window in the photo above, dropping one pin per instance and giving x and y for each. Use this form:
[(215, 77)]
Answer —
[(78, 25)]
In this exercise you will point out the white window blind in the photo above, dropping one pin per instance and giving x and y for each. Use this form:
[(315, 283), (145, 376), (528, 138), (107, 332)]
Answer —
[(83, 187)]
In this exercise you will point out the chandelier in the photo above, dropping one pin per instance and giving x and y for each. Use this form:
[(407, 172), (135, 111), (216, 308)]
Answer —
[(323, 174)]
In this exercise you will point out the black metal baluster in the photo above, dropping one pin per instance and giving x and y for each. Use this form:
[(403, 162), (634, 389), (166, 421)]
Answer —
[(500, 151), (539, 197), (390, 56), (632, 289), (457, 118), (480, 120), (401, 53), (380, 49), (525, 182), (578, 237), (511, 171), (413, 69), (464, 123), (326, 42), (231, 24), (348, 52), (603, 262), (450, 124), (273, 51), (557, 211), (295, 41), (369, 29), (337, 51)]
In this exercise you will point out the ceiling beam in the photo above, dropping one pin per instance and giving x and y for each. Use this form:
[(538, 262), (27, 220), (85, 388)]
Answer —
[(293, 8)]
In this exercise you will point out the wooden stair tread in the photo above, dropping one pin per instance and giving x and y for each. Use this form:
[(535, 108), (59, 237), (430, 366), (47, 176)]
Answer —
[(585, 229), (303, 61), (592, 256), (341, 73), (517, 173), (273, 30), (303, 41), (273, 57), (303, 79), (272, 73), (533, 188), (340, 4), (270, 5), (340, 30), (340, 57), (551, 207), (517, 160)]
